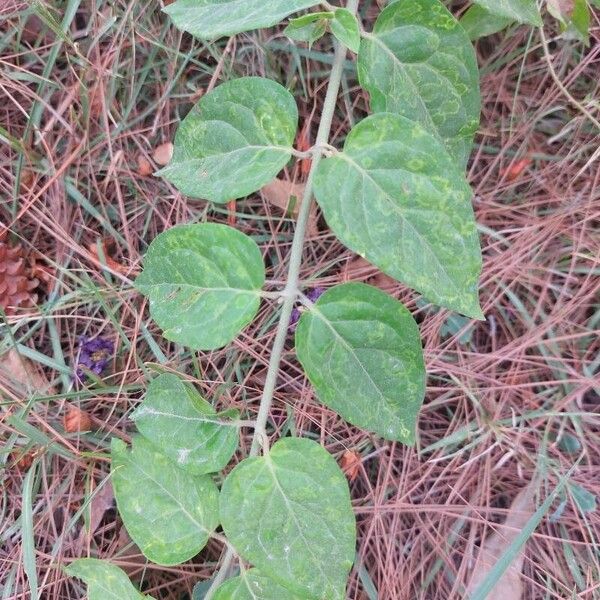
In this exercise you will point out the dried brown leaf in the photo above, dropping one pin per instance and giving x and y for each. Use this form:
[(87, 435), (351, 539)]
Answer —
[(162, 154), (21, 373), (76, 420), (350, 464), (510, 585), (144, 168), (287, 197)]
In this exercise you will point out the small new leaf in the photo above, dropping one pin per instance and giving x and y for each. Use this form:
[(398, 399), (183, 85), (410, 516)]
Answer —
[(308, 28), (395, 197), (289, 514), (204, 282), (523, 11), (212, 19), (168, 512), (420, 63), (234, 141), (345, 28), (185, 427), (104, 580), (362, 352), (251, 585)]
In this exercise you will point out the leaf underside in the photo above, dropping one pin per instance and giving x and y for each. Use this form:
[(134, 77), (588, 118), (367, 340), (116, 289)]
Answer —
[(168, 512), (395, 197), (419, 62), (362, 352), (234, 141), (204, 282), (289, 514), (212, 19), (185, 427), (251, 585), (104, 580)]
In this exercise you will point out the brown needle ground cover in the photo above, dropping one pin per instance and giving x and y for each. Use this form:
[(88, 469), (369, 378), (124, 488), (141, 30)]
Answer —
[(513, 397)]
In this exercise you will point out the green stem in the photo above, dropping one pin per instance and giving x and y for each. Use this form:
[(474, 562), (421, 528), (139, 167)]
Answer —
[(291, 291)]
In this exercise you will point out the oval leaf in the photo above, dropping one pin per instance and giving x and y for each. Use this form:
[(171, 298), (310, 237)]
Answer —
[(204, 283), (345, 28), (289, 514), (168, 512), (234, 141), (419, 63), (211, 19), (251, 585), (362, 352), (395, 197), (479, 22), (524, 11), (185, 427), (104, 580)]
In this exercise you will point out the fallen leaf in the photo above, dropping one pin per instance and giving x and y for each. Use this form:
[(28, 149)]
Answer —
[(21, 373), (144, 168), (510, 585), (350, 464), (287, 196), (359, 269), (162, 154), (76, 420), (106, 259), (102, 501), (515, 170)]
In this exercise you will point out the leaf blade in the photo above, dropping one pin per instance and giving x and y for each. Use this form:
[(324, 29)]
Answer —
[(362, 352), (252, 585), (523, 11), (345, 28), (185, 427), (203, 282), (289, 514), (168, 513), (234, 141), (406, 68), (212, 19), (396, 198), (105, 581)]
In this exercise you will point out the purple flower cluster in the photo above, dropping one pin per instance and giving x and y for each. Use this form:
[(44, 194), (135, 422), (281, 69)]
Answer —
[(94, 355), (313, 296)]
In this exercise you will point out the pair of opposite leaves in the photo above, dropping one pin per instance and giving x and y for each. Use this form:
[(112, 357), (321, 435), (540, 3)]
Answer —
[(288, 512)]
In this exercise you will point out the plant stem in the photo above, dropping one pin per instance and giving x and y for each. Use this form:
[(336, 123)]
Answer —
[(291, 292)]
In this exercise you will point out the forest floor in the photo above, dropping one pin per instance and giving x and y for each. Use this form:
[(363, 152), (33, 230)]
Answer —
[(512, 403)]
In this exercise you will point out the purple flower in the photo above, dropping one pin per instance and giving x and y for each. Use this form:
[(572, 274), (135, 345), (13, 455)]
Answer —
[(313, 296), (94, 355)]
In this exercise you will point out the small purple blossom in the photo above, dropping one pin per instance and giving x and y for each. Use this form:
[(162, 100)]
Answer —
[(313, 295), (94, 355)]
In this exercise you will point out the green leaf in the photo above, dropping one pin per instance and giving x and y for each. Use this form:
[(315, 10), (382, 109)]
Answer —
[(251, 585), (585, 500), (211, 19), (395, 197), (168, 512), (204, 282), (345, 28), (104, 580), (479, 22), (420, 63), (234, 141), (523, 11), (308, 28), (289, 514), (185, 427), (362, 352)]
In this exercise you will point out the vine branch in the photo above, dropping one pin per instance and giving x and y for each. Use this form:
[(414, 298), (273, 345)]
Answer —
[(291, 291)]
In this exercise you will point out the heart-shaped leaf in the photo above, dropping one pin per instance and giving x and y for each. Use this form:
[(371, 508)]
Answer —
[(211, 19), (185, 427), (524, 11), (289, 514), (234, 141), (251, 585), (104, 580), (362, 352), (168, 512), (204, 283), (395, 197), (420, 63)]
